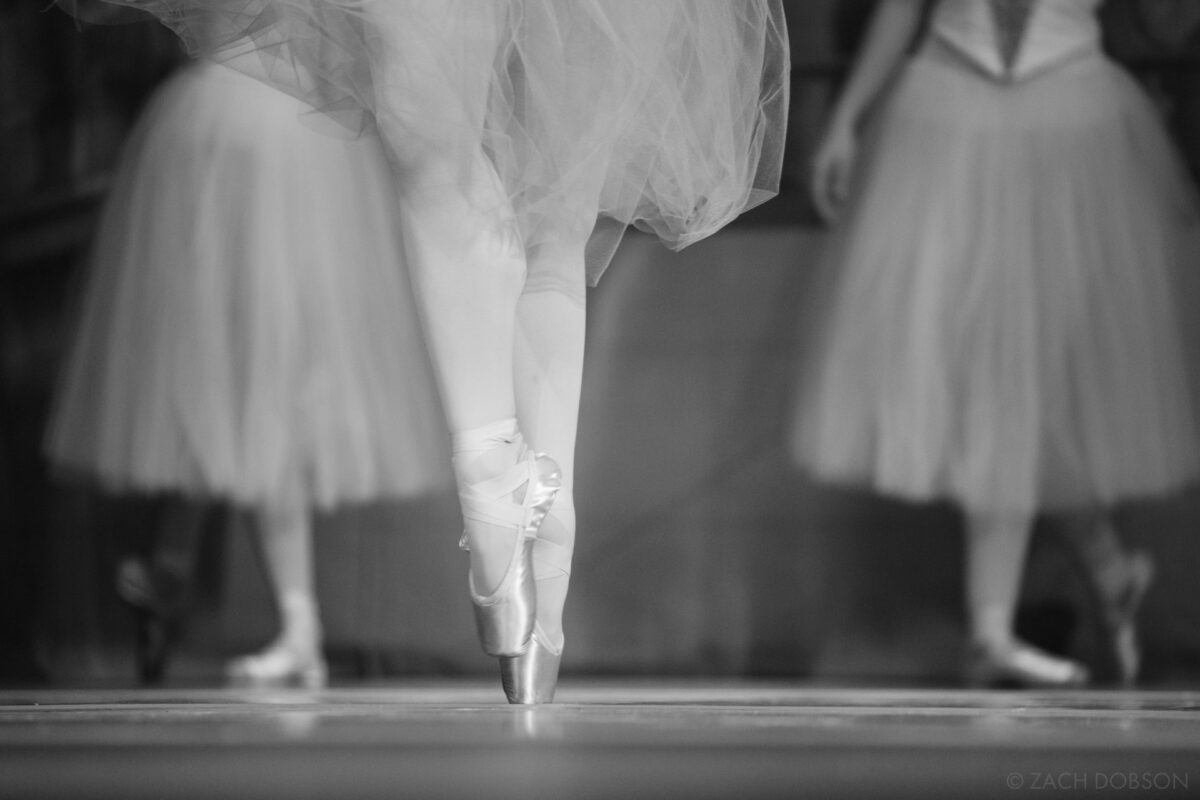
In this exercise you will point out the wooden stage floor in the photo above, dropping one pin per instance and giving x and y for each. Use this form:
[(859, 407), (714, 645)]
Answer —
[(610, 739)]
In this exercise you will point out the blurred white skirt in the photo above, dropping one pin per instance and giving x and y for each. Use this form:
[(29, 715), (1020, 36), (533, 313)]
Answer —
[(1005, 330), (247, 330)]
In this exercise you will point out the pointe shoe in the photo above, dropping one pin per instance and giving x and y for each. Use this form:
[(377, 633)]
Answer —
[(155, 610), (1021, 666), (532, 677), (280, 665), (1120, 593), (504, 618)]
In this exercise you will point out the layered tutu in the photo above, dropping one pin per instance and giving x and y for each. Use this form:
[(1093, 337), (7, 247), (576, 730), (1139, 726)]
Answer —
[(668, 115), (247, 331), (1005, 331)]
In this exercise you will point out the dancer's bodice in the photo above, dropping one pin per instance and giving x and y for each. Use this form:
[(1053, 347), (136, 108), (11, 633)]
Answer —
[(1016, 39)]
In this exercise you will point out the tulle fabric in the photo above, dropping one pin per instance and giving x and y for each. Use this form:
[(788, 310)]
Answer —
[(1005, 331), (668, 115), (247, 331)]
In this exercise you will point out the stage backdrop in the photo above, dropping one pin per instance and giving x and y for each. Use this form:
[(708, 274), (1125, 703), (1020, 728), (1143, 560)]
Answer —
[(702, 550)]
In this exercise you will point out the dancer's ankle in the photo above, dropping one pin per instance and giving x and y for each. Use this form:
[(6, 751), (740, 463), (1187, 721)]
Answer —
[(552, 567), (484, 465), (300, 623), (480, 455), (551, 629), (992, 627), (471, 444)]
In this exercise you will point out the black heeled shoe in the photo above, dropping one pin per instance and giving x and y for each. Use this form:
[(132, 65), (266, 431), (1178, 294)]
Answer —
[(155, 612), (1120, 593)]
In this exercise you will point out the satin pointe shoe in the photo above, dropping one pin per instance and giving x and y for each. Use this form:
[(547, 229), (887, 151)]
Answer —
[(1021, 666), (280, 664), (531, 678), (155, 602), (504, 618), (1120, 592)]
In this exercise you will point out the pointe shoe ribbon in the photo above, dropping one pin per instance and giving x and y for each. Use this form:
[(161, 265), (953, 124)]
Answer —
[(504, 618)]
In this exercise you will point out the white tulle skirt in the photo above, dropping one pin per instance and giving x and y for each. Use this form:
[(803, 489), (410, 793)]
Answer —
[(668, 115), (247, 331), (1005, 330)]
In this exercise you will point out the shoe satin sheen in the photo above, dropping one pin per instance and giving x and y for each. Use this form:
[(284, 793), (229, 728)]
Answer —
[(505, 618), (531, 677)]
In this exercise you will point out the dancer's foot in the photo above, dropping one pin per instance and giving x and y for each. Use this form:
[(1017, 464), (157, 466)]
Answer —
[(1120, 588), (1015, 664), (532, 677), (156, 599), (503, 509), (552, 555), (294, 658), (280, 664)]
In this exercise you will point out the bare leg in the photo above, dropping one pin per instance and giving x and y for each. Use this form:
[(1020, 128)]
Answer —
[(468, 267), (462, 242), (551, 318), (996, 550), (468, 270), (466, 254), (285, 536)]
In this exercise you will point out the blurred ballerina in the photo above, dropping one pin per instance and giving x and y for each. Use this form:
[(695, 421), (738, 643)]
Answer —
[(1004, 333), (247, 337)]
